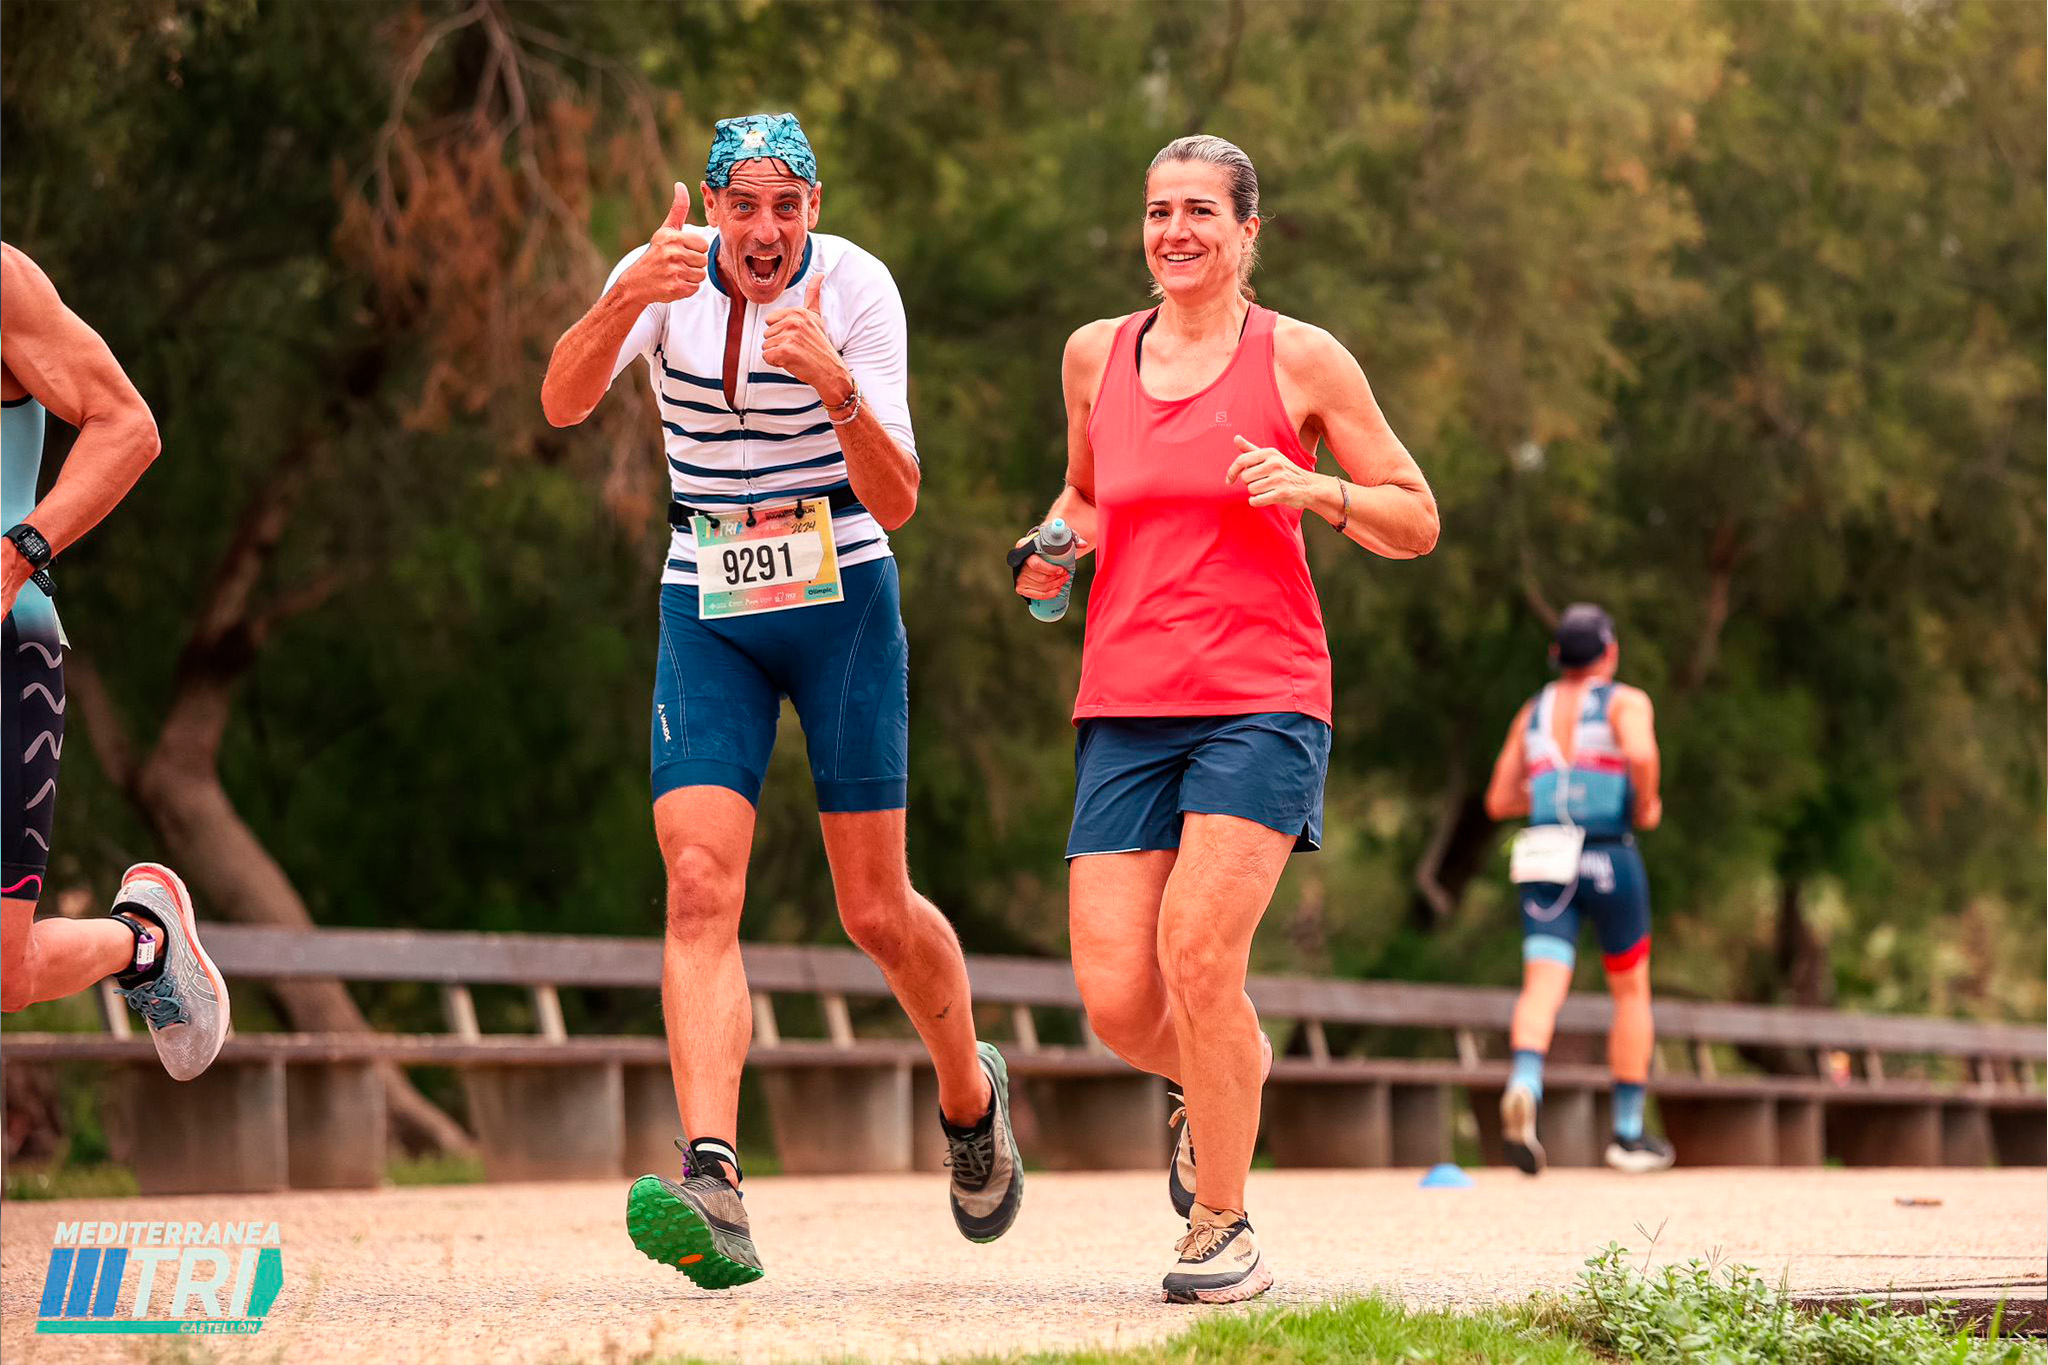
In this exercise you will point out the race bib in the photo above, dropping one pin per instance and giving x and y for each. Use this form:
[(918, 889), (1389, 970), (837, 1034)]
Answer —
[(786, 559), (1547, 854)]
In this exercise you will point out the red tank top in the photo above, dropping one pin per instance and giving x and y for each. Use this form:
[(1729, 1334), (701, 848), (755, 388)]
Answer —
[(1201, 604)]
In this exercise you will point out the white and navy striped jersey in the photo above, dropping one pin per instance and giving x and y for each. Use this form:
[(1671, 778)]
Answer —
[(773, 442)]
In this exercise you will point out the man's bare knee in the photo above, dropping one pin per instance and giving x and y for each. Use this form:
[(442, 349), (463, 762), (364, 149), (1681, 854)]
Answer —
[(1631, 984), (705, 893)]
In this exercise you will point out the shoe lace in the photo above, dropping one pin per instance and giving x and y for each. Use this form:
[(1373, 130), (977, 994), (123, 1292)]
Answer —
[(1178, 1119), (1201, 1239), (156, 1002), (972, 1157)]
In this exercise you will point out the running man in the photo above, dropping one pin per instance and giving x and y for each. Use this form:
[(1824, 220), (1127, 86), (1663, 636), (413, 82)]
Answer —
[(1581, 763), (1204, 707), (50, 361), (778, 357)]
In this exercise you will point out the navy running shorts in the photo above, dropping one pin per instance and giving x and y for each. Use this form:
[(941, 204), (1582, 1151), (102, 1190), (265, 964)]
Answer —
[(32, 733), (719, 685), (1135, 777), (1613, 890)]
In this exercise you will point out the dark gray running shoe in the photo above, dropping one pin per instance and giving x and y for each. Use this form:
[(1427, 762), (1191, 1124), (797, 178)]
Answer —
[(1180, 1168), (1640, 1155), (697, 1224), (988, 1171)]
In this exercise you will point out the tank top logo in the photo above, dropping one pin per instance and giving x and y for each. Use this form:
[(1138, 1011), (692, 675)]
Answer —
[(1223, 417)]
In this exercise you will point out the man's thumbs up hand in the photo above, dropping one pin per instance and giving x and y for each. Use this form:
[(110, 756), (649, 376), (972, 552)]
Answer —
[(795, 339), (676, 259)]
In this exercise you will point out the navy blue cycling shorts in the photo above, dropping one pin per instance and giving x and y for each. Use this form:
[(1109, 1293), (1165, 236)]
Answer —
[(719, 685), (1135, 777), (1613, 891)]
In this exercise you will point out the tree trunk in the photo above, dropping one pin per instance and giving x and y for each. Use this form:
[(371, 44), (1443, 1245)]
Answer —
[(1800, 975), (1802, 959), (1456, 851)]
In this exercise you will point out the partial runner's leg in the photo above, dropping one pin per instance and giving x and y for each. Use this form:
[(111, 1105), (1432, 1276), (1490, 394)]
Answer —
[(915, 947), (1629, 1047), (1546, 979), (1215, 897), (53, 958), (1634, 1036), (705, 835)]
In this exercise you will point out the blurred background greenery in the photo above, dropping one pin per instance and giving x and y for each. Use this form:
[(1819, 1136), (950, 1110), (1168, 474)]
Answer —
[(1727, 315)]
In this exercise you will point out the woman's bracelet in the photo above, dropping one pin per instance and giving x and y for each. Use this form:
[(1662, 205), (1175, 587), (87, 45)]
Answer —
[(1344, 492), (851, 407)]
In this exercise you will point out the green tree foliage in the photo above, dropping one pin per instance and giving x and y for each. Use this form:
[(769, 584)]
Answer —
[(1727, 315)]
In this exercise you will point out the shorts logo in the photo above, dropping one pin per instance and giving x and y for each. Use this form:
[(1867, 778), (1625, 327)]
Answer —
[(661, 714), (221, 1278)]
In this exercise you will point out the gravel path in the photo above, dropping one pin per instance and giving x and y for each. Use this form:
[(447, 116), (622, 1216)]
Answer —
[(872, 1266)]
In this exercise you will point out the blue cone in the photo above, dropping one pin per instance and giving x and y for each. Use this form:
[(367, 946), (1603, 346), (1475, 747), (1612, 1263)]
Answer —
[(1446, 1175)]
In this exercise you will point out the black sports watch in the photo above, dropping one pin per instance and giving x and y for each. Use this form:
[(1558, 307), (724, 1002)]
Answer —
[(37, 552)]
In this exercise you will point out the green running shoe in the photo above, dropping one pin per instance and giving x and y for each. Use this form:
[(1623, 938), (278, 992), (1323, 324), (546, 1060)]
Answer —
[(988, 1170), (697, 1225)]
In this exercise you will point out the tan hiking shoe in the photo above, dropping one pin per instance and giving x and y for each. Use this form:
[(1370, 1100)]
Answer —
[(1217, 1261)]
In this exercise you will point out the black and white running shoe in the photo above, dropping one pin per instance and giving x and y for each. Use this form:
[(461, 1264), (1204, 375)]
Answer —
[(1640, 1155)]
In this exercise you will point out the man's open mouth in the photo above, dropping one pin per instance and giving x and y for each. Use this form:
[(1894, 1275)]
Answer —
[(763, 270)]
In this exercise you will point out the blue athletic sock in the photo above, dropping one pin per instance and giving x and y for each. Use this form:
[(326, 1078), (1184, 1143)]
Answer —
[(1628, 1109), (1528, 1072)]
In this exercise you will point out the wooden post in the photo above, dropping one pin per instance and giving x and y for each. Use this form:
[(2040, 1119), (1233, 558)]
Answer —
[(547, 1013), (1318, 1041), (1025, 1027), (766, 1034), (460, 1010), (113, 1009), (838, 1023)]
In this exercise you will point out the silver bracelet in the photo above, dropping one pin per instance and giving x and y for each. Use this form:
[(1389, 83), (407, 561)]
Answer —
[(1344, 492), (852, 406)]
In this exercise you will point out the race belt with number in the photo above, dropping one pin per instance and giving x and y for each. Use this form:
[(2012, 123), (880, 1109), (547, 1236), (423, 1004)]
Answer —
[(1546, 854), (777, 558)]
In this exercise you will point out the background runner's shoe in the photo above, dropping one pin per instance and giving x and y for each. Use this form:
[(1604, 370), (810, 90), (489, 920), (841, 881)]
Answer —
[(988, 1170), (186, 1002), (1518, 1106), (1217, 1261), (697, 1225), (1180, 1168), (1640, 1155)]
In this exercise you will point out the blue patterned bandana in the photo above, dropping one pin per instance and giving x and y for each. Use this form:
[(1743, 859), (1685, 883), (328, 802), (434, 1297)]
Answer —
[(755, 136)]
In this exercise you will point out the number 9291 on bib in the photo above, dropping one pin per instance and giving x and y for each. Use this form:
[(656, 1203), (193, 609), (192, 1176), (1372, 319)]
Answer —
[(784, 560)]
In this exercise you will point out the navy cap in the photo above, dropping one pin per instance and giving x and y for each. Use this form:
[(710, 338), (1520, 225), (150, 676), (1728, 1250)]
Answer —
[(1583, 634)]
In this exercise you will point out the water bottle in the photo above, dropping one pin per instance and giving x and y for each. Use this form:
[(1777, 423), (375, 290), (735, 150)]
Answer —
[(1056, 546)]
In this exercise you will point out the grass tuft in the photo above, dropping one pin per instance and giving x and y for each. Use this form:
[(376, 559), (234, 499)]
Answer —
[(1704, 1310), (101, 1180)]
